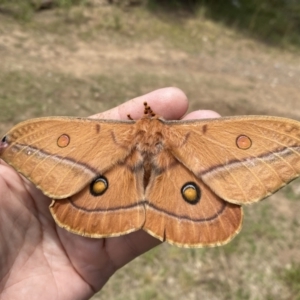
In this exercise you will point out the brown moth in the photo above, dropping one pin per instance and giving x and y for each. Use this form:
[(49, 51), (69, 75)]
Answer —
[(181, 181)]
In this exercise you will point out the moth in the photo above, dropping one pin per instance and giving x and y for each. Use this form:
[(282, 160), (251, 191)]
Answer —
[(183, 182)]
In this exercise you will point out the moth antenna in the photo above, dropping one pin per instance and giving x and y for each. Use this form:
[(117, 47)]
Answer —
[(147, 107), (148, 111)]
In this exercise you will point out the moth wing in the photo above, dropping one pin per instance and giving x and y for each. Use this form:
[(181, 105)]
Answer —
[(208, 221), (60, 155), (240, 171), (116, 211)]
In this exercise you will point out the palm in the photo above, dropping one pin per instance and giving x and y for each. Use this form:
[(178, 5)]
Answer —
[(33, 244), (69, 266)]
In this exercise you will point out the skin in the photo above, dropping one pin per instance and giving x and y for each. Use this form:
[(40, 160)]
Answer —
[(39, 260)]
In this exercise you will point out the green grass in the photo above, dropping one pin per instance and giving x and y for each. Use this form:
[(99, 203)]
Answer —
[(291, 277), (276, 22), (273, 22), (36, 95), (290, 193)]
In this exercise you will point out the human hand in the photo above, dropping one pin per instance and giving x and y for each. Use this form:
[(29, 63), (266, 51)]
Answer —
[(39, 260)]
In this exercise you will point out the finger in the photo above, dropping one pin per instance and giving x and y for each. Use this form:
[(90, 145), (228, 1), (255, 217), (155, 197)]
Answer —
[(170, 103), (201, 114)]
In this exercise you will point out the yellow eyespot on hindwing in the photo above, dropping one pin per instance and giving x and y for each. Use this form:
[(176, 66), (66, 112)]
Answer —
[(191, 192), (99, 186)]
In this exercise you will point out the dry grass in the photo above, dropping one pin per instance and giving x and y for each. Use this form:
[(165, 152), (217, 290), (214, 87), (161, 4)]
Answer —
[(85, 60)]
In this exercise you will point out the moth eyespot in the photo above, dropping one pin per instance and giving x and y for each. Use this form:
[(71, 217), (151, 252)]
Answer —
[(99, 186), (243, 142), (63, 141), (191, 193)]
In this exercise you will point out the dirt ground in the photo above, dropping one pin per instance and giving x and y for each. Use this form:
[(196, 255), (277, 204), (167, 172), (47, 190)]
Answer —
[(87, 61), (223, 70)]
